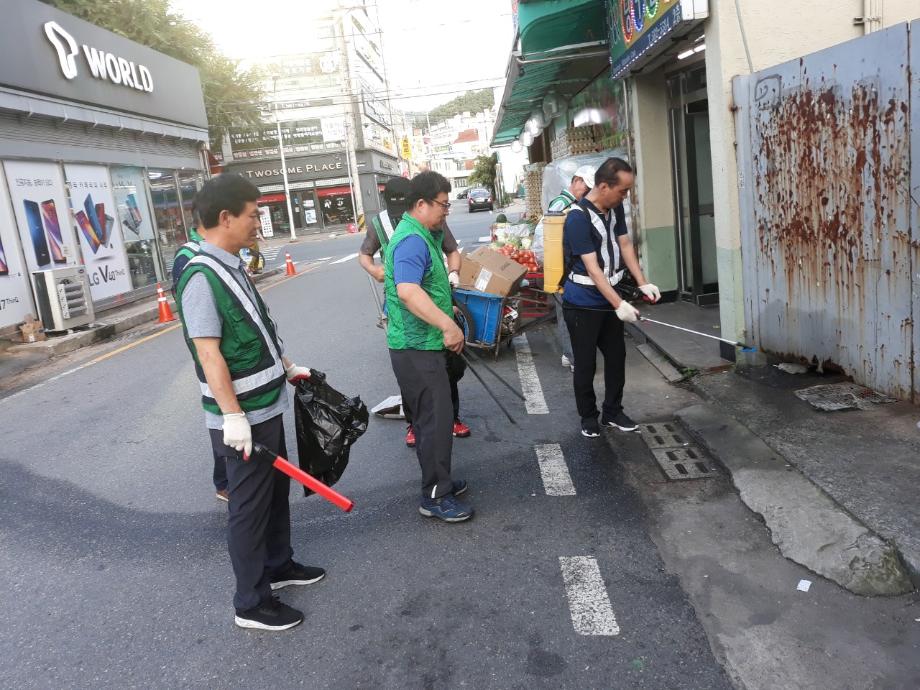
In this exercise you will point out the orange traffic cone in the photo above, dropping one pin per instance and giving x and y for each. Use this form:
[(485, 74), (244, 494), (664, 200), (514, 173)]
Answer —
[(289, 265), (166, 314)]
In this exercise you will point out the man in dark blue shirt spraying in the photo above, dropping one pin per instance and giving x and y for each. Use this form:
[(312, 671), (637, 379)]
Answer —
[(596, 246)]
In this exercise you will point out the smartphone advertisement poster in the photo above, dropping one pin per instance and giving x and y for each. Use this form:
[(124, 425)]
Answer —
[(42, 214), (94, 216), (15, 292)]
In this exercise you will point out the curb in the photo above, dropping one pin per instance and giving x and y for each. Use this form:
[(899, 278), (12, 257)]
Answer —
[(103, 330), (806, 524)]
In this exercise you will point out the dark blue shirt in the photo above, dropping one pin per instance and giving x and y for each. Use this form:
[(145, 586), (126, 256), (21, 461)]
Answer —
[(411, 260), (580, 237)]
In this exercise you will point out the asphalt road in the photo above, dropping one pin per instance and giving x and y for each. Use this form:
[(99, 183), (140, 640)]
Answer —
[(114, 566)]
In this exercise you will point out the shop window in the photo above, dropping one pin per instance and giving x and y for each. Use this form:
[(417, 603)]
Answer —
[(130, 191), (337, 209), (170, 224)]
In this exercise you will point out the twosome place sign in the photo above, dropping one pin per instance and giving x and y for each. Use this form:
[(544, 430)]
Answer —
[(638, 27)]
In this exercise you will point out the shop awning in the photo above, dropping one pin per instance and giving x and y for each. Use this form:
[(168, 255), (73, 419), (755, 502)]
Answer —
[(560, 47)]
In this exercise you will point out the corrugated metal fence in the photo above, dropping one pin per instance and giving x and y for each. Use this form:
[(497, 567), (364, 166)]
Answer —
[(830, 207)]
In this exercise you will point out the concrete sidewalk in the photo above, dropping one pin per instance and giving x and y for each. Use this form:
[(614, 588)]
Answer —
[(836, 489)]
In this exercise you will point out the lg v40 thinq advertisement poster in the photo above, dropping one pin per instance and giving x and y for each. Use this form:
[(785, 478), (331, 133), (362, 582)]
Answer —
[(42, 215), (95, 218), (15, 296)]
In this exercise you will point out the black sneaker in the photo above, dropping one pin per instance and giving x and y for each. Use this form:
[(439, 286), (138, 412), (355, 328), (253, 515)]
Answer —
[(620, 421), (272, 615), (589, 427), (296, 574), (446, 508), (459, 486)]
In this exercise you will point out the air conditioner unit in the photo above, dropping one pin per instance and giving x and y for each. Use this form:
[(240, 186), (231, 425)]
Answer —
[(63, 298)]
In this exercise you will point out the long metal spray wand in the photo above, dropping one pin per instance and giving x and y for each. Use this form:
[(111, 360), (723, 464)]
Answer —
[(688, 330)]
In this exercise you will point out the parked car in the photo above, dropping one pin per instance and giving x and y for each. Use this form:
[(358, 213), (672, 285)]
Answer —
[(462, 195), (479, 198)]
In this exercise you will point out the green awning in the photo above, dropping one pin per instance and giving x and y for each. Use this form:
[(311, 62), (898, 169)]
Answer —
[(550, 29)]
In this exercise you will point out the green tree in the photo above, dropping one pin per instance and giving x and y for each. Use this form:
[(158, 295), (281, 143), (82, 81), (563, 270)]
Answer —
[(231, 95), (484, 172)]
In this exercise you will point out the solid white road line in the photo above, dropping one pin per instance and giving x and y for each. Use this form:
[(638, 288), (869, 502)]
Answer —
[(325, 258), (345, 258), (555, 473), (589, 604), (530, 382)]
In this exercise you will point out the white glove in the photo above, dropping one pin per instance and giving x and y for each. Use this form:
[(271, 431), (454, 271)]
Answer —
[(454, 278), (238, 433), (651, 291), (295, 373), (627, 312)]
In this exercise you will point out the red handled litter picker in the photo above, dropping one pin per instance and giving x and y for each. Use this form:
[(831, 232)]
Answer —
[(297, 474)]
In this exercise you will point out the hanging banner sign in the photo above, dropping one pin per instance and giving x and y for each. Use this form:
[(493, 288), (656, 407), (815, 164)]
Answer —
[(638, 27)]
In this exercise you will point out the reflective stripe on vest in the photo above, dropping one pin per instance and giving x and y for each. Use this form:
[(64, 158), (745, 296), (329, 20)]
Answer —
[(608, 242), (260, 378)]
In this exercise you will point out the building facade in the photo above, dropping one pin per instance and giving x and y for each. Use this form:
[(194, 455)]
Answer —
[(656, 87), (102, 151), (332, 105)]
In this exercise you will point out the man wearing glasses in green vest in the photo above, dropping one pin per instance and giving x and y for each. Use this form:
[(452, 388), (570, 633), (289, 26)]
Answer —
[(420, 332)]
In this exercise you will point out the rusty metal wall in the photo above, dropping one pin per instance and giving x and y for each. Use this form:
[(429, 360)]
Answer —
[(828, 247)]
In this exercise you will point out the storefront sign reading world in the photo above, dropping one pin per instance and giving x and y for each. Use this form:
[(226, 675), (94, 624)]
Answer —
[(102, 64)]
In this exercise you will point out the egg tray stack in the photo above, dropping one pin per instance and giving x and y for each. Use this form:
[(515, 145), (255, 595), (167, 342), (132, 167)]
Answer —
[(533, 189), (584, 139), (560, 146)]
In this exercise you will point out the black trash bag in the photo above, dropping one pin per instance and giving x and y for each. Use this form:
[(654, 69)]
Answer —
[(327, 424)]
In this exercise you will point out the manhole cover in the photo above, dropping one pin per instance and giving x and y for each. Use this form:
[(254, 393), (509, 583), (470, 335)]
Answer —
[(842, 396), (677, 457)]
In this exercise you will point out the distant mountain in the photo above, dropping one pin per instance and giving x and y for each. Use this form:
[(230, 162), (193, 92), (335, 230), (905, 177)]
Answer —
[(471, 101)]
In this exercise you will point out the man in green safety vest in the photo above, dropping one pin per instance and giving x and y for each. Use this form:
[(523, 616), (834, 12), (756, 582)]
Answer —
[(420, 332), (242, 369), (377, 239)]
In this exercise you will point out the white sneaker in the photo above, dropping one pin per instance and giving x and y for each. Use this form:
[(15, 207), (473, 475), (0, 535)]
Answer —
[(566, 362)]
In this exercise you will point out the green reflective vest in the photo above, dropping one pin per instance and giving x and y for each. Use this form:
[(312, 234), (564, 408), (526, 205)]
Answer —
[(405, 331), (248, 341), (563, 201)]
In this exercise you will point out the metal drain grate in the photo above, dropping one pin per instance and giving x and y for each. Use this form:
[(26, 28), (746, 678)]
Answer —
[(842, 396), (664, 435), (677, 457)]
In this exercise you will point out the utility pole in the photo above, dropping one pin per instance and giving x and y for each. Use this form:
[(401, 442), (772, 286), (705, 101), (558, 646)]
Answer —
[(287, 189), (350, 134), (351, 177)]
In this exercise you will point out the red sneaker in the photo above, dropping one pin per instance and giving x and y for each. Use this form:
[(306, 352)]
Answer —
[(461, 430), (410, 437)]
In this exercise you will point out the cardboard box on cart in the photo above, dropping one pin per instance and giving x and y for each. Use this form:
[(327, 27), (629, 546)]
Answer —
[(486, 270)]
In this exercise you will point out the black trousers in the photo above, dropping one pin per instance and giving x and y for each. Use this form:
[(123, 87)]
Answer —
[(425, 387), (592, 331), (456, 367), (259, 529), (220, 472)]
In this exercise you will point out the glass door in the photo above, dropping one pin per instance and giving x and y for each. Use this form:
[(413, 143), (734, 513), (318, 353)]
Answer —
[(692, 171)]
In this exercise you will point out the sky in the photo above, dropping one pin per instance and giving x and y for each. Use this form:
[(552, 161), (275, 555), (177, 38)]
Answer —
[(433, 49)]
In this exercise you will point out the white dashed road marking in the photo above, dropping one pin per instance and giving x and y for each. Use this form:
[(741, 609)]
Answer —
[(555, 473), (589, 604), (345, 258), (530, 382)]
